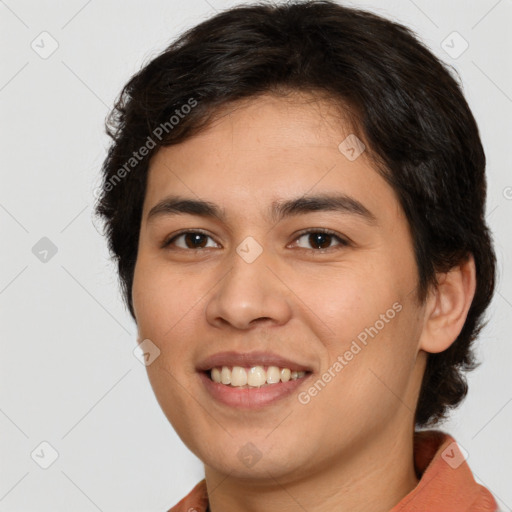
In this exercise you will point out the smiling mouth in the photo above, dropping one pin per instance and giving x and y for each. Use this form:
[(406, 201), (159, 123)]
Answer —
[(254, 376)]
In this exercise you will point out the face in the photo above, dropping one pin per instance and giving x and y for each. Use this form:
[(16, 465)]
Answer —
[(301, 260)]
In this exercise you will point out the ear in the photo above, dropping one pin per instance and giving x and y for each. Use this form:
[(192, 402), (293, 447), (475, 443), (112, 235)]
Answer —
[(447, 307)]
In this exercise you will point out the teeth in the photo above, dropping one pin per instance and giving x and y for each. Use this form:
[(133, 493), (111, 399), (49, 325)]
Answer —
[(285, 374), (255, 376), (225, 375), (238, 376), (216, 376), (273, 375)]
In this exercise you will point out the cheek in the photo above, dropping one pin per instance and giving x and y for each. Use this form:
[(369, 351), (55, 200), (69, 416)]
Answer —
[(343, 300), (161, 299), (378, 359), (161, 303), (367, 321)]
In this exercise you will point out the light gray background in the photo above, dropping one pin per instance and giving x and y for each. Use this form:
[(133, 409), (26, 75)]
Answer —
[(68, 374)]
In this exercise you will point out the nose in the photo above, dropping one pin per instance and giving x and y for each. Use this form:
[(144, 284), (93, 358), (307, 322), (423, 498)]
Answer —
[(250, 293)]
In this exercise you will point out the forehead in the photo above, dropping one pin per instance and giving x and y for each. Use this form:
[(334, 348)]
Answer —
[(265, 149)]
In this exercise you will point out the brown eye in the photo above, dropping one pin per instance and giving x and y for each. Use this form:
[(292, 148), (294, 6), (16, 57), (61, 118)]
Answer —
[(189, 240), (321, 239)]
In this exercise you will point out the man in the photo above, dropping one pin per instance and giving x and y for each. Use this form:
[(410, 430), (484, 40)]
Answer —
[(295, 198)]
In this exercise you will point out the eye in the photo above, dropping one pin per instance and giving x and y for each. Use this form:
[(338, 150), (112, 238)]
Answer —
[(189, 240), (321, 239)]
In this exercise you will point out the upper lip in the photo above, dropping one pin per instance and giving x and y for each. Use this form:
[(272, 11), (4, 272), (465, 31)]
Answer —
[(249, 359)]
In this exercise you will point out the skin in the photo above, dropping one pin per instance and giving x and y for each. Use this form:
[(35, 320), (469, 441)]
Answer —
[(350, 447)]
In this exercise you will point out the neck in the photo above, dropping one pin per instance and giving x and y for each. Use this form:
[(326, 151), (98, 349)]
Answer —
[(375, 476)]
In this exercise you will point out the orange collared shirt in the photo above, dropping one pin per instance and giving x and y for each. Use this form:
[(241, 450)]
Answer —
[(446, 482)]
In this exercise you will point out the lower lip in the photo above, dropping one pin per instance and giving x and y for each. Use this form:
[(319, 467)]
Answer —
[(250, 398)]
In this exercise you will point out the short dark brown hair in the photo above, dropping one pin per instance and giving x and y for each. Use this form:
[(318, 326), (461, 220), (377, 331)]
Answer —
[(403, 101)]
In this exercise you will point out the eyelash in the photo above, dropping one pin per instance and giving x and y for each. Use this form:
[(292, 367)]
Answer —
[(342, 241)]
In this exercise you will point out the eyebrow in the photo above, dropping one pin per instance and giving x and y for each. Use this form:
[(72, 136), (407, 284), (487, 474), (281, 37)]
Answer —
[(340, 203)]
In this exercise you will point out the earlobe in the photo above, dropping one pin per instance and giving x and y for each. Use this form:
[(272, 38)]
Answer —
[(448, 306)]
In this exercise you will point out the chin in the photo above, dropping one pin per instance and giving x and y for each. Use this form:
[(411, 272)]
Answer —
[(254, 458)]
